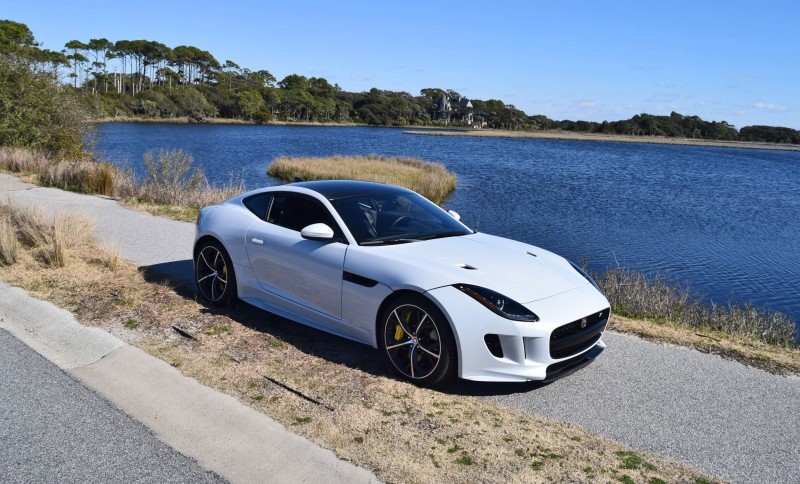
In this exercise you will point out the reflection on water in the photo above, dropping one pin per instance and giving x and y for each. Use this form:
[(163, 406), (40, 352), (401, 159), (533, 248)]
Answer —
[(725, 221)]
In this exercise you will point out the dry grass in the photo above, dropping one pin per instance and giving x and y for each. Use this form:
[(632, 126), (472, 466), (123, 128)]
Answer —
[(635, 295), (51, 240), (31, 223), (9, 245), (18, 160), (401, 432), (171, 187), (81, 176), (431, 180), (86, 176)]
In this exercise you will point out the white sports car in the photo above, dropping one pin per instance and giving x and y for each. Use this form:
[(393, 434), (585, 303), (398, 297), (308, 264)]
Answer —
[(384, 266)]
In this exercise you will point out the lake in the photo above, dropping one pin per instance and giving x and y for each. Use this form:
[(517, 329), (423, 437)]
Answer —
[(724, 221)]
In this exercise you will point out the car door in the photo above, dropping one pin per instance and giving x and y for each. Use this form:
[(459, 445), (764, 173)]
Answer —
[(306, 272)]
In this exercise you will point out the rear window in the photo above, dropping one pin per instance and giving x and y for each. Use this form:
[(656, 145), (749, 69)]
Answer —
[(258, 204)]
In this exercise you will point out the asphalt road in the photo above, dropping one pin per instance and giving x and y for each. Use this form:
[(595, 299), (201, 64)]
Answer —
[(54, 429), (727, 419), (724, 418)]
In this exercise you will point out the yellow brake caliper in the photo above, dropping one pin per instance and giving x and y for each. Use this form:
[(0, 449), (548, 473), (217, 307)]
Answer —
[(398, 329)]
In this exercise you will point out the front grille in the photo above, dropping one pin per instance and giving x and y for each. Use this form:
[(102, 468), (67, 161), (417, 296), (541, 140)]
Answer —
[(578, 335)]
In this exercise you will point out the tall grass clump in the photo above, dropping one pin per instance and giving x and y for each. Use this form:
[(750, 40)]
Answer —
[(85, 176), (21, 160), (169, 179), (9, 246), (431, 180), (635, 295), (29, 226)]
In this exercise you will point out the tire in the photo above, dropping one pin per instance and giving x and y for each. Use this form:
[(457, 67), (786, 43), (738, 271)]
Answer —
[(417, 341), (214, 275)]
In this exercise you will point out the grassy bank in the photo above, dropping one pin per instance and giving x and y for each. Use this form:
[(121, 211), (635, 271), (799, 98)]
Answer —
[(431, 180), (401, 432), (171, 187), (614, 138), (661, 310)]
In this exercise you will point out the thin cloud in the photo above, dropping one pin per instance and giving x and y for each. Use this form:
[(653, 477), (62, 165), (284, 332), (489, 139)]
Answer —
[(770, 107)]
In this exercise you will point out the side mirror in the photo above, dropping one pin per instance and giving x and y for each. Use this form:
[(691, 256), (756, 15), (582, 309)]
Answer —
[(454, 214), (318, 231)]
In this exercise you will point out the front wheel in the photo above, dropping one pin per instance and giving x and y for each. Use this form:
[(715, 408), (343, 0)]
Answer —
[(417, 340), (214, 274)]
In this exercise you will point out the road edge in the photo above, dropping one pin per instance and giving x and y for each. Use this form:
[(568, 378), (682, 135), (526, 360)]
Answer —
[(220, 433)]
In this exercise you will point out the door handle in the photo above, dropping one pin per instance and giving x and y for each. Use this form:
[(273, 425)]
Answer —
[(257, 241)]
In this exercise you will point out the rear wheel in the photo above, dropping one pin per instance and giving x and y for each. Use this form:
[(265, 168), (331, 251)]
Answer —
[(417, 340), (214, 274)]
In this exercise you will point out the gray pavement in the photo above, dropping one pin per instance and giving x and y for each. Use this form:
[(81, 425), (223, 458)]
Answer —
[(725, 418), (719, 416), (54, 429)]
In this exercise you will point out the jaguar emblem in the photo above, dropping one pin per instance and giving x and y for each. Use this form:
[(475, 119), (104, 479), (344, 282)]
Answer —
[(583, 323)]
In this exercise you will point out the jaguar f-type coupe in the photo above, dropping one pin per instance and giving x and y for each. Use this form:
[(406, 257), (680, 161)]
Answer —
[(382, 265)]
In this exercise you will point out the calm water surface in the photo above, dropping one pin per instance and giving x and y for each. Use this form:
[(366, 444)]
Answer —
[(725, 221)]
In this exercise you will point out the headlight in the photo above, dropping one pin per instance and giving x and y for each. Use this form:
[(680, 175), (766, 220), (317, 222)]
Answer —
[(586, 275), (497, 303)]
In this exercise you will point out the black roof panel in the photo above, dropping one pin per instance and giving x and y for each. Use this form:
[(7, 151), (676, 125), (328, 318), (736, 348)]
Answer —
[(337, 189)]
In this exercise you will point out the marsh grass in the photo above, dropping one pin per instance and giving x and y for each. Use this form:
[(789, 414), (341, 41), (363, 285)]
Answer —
[(84, 176), (171, 187), (20, 160), (431, 180), (635, 295), (9, 245), (81, 176)]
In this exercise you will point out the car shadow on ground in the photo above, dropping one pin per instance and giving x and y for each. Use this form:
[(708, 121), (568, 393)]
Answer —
[(179, 276)]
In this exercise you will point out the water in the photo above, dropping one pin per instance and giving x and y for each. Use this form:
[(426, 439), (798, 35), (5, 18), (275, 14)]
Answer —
[(725, 221)]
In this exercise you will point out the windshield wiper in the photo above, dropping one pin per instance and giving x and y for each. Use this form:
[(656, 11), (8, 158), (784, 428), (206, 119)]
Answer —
[(389, 241), (442, 235)]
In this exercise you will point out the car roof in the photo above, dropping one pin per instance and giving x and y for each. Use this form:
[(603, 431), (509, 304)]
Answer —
[(338, 189)]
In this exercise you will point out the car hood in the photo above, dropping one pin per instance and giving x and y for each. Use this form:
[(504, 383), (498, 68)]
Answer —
[(520, 271)]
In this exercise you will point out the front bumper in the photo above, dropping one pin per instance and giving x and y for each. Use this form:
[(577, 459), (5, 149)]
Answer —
[(523, 351)]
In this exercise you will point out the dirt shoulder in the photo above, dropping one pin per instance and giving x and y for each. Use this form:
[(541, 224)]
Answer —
[(568, 135)]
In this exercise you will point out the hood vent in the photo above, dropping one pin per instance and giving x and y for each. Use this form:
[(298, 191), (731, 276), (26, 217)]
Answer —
[(467, 267), (531, 253)]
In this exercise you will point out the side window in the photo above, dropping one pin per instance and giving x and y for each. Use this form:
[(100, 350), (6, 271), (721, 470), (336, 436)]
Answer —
[(297, 212), (258, 204)]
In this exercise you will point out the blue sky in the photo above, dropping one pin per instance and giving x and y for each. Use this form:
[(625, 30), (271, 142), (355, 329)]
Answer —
[(735, 61)]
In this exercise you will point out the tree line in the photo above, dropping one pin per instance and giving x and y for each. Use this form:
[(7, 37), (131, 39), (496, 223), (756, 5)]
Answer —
[(150, 79)]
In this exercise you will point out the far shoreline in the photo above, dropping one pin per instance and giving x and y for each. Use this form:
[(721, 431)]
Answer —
[(477, 133), (618, 138)]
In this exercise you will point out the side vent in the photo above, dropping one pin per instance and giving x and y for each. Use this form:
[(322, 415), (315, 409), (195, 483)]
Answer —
[(493, 344)]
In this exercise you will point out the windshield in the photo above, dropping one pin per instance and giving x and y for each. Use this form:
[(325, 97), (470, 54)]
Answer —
[(396, 218)]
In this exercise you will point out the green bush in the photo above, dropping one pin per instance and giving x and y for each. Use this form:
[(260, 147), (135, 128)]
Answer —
[(38, 112)]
